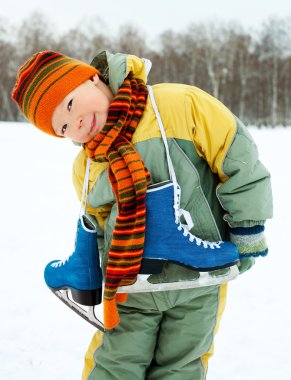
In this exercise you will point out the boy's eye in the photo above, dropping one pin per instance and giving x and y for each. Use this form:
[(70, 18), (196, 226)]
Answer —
[(64, 127), (70, 105)]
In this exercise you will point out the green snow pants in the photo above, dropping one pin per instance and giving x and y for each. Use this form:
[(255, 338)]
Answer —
[(162, 336)]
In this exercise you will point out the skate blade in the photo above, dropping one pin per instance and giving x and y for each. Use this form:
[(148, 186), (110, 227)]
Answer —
[(142, 284), (88, 315)]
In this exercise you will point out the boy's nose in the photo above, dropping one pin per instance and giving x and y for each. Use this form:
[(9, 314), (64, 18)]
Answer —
[(76, 122)]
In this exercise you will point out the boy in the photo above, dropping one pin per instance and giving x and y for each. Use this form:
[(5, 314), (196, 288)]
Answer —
[(224, 187)]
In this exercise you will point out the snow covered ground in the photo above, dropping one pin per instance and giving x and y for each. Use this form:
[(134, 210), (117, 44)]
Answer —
[(41, 339)]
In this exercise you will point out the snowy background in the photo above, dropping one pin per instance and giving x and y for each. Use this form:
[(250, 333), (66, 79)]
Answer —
[(42, 339)]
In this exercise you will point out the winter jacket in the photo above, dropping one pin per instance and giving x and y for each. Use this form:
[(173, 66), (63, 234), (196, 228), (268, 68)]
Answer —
[(223, 183)]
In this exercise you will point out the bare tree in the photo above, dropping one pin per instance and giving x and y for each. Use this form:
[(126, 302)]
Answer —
[(7, 70), (171, 60), (130, 40), (84, 41), (212, 45), (35, 34), (192, 51), (74, 43), (275, 42)]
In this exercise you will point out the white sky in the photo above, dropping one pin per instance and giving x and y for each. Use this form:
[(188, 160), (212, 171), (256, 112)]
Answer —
[(152, 16)]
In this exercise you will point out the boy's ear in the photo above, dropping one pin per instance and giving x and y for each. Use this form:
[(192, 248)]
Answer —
[(95, 79)]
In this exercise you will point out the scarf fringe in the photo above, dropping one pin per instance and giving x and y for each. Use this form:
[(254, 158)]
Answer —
[(111, 315)]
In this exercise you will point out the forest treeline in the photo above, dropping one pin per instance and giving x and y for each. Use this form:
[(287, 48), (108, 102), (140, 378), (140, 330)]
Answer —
[(248, 70)]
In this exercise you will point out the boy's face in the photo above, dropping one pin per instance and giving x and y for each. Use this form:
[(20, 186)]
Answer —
[(83, 112)]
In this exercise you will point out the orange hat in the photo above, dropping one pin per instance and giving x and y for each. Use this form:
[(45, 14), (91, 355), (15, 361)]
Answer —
[(42, 83)]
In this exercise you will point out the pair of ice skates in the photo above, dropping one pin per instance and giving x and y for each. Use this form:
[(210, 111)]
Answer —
[(166, 240)]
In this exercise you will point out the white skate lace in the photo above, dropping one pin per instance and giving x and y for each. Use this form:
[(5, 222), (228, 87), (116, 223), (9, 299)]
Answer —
[(60, 263), (192, 238), (197, 240)]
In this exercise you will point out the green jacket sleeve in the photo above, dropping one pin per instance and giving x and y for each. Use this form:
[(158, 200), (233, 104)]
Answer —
[(246, 195)]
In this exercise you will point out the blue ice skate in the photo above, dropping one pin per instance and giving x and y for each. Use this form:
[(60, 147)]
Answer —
[(80, 273), (167, 239)]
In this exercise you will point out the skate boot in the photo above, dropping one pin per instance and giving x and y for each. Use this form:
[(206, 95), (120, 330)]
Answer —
[(167, 239), (80, 274)]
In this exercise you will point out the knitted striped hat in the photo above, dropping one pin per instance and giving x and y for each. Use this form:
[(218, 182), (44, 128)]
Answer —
[(42, 83)]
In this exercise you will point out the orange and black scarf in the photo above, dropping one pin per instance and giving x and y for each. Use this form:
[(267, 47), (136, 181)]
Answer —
[(129, 179)]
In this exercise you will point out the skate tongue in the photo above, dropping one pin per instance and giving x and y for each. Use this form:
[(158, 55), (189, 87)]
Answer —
[(188, 219)]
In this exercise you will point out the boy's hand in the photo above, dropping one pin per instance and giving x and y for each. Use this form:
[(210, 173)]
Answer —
[(245, 264), (250, 241)]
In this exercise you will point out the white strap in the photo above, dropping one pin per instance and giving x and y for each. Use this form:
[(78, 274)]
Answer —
[(163, 133), (148, 65), (177, 189), (85, 188)]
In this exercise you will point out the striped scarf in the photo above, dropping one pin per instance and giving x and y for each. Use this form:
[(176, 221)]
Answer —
[(129, 179)]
